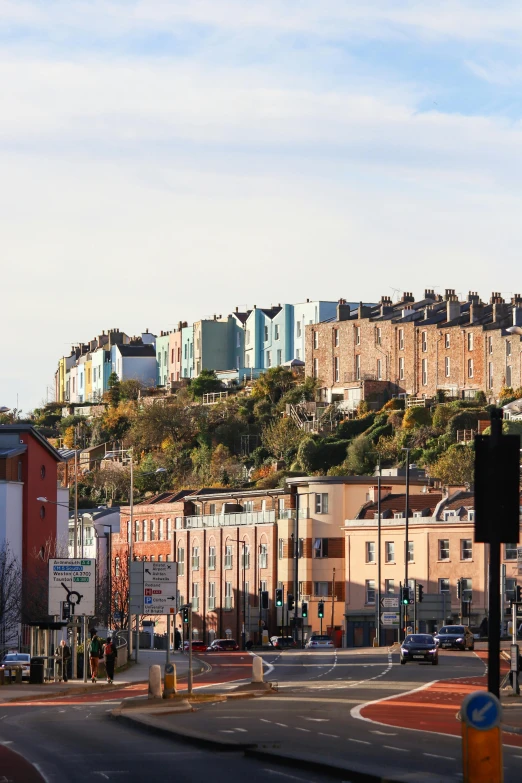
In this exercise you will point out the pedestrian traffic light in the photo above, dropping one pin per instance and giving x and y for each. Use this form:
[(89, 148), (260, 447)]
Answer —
[(264, 599), (290, 601), (419, 592), (279, 596), (459, 588), (405, 595), (518, 594), (304, 609), (320, 609), (185, 614), (66, 610)]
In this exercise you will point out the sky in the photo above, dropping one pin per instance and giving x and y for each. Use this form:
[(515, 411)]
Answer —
[(165, 160)]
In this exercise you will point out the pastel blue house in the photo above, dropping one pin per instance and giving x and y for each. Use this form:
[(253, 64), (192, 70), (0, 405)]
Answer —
[(101, 369), (187, 352), (269, 336), (163, 359), (306, 313)]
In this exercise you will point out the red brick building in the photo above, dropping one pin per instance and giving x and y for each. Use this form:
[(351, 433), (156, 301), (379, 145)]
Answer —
[(418, 348)]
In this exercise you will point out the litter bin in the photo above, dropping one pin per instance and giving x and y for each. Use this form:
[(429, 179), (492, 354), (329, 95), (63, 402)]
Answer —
[(36, 671)]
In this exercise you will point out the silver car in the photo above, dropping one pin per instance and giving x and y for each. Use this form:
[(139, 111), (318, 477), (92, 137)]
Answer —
[(18, 660), (320, 643)]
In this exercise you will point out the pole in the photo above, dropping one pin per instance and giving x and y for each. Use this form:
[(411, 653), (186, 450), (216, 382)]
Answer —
[(190, 650), (74, 646), (378, 618), (502, 593), (415, 606), (85, 658), (333, 604), (407, 513), (168, 638), (494, 587), (296, 568), (131, 533), (75, 498), (515, 685), (243, 630)]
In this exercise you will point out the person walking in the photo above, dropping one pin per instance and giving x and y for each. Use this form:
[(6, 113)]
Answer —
[(62, 655), (177, 639), (109, 652), (95, 653)]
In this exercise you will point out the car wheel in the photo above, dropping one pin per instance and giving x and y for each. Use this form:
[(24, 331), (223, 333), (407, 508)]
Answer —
[(403, 661)]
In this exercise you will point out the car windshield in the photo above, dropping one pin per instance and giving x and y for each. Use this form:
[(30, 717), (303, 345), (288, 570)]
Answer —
[(452, 629), (419, 638), (16, 657)]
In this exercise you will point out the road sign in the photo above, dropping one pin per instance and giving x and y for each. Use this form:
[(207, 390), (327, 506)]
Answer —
[(159, 588), (481, 710), (72, 580), (390, 618), (160, 572), (390, 603)]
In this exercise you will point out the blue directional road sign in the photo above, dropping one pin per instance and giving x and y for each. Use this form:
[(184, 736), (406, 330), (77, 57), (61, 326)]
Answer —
[(481, 710)]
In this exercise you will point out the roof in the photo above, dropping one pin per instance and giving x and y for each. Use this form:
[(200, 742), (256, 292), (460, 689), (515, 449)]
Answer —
[(68, 454), (395, 504), (242, 316), (271, 312), (137, 350), (30, 430), (12, 452)]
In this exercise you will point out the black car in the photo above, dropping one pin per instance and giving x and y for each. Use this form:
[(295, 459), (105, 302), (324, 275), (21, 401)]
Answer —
[(419, 647), (457, 637)]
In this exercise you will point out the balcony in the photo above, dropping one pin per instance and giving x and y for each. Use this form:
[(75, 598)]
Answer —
[(222, 520), (352, 377)]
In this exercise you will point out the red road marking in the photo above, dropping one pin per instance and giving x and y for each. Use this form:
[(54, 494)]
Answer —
[(15, 769)]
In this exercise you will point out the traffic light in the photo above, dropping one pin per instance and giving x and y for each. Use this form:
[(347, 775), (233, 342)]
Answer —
[(419, 592), (290, 601), (405, 595), (66, 610), (459, 588), (279, 596), (518, 594), (264, 599), (304, 609), (185, 614), (320, 609)]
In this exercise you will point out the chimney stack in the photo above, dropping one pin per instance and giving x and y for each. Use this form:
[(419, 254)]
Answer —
[(374, 493), (343, 310), (429, 293), (386, 305), (452, 306)]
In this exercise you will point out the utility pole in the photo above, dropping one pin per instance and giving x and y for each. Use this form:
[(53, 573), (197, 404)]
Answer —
[(189, 686), (333, 604), (378, 618), (406, 553), (296, 567)]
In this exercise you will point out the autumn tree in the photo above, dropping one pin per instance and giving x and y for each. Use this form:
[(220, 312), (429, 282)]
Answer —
[(273, 383), (10, 595), (282, 438), (177, 421), (455, 465)]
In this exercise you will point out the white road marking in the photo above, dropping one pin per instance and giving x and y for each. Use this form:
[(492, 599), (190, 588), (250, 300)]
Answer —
[(264, 720), (437, 756), (240, 729), (226, 731), (283, 774), (284, 725), (385, 733), (361, 742), (298, 728), (392, 747), (6, 742), (316, 720), (322, 734)]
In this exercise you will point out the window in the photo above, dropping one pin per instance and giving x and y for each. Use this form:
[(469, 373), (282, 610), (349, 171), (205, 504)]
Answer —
[(447, 340), (490, 345), (279, 356), (116, 566), (195, 596), (358, 367), (321, 589), (510, 551), (152, 558), (379, 370), (185, 352), (411, 552), (470, 368), (228, 595), (263, 556), (447, 366), (269, 358), (490, 375), (228, 556), (336, 368), (508, 347), (276, 332), (444, 585), (247, 337), (280, 508), (212, 508), (467, 589), (238, 340), (336, 338), (466, 549), (321, 503), (42, 512), (211, 595), (444, 549), (263, 585), (470, 341), (169, 529), (320, 547), (181, 561), (509, 589), (357, 335), (316, 339), (152, 530), (508, 375), (370, 591), (160, 558), (370, 551), (298, 328), (424, 372), (248, 505), (401, 368), (389, 549), (145, 530), (401, 339), (137, 530), (378, 335), (245, 556), (266, 334), (389, 586), (195, 558), (398, 515), (280, 548), (316, 368), (161, 530), (297, 353), (212, 558), (424, 341), (42, 472)]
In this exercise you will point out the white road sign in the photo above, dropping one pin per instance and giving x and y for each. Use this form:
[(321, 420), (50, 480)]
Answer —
[(159, 588), (390, 603), (160, 572), (390, 618), (72, 580)]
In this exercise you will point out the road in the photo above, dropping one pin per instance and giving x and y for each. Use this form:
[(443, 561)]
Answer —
[(314, 715)]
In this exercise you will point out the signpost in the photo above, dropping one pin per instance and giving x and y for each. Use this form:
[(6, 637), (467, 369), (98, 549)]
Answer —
[(391, 602), (72, 581), (390, 618), (481, 714), (159, 588)]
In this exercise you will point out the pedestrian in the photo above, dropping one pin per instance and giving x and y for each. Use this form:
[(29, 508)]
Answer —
[(177, 639), (62, 655), (109, 652), (95, 653)]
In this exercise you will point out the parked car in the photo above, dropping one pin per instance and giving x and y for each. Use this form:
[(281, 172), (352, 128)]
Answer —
[(282, 641), (223, 645), (17, 660), (457, 637), (419, 647), (320, 642), (197, 646)]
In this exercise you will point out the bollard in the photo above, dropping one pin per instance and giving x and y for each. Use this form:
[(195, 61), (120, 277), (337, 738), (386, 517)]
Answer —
[(2, 676), (257, 669), (481, 714), (155, 681), (169, 687), (18, 676)]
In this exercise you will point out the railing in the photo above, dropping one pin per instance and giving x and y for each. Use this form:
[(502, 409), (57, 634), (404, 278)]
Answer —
[(351, 377), (416, 402), (214, 397), (222, 520), (465, 436)]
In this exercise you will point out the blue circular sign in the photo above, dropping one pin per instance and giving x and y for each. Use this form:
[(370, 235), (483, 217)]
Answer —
[(481, 710)]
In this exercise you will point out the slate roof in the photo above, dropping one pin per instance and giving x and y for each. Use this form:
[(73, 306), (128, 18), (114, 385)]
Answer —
[(137, 350), (395, 504)]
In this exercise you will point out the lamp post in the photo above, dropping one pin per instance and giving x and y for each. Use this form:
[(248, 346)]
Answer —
[(243, 630), (407, 513), (378, 619)]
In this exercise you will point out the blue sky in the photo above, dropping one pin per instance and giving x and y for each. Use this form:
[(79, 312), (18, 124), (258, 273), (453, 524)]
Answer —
[(166, 160)]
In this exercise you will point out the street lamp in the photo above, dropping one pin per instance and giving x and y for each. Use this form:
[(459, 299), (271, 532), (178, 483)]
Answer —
[(407, 511)]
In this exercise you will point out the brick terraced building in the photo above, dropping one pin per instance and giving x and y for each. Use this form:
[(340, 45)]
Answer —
[(418, 348)]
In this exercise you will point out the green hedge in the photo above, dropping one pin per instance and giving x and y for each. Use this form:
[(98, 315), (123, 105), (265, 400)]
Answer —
[(353, 427)]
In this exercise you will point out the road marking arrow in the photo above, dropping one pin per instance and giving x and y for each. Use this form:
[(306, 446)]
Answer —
[(477, 716)]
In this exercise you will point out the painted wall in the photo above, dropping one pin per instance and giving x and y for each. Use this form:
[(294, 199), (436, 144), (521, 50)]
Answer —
[(162, 359), (11, 522), (187, 352), (39, 475), (88, 379), (141, 368), (101, 369), (175, 356), (306, 313)]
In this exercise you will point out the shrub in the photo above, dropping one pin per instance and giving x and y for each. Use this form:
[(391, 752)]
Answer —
[(455, 466), (465, 420), (361, 458), (353, 427), (395, 404), (442, 415), (416, 417)]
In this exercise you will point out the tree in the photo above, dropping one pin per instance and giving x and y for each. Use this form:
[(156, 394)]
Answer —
[(178, 421), (361, 458), (10, 597), (416, 417), (131, 389), (205, 383), (273, 383), (455, 466), (120, 588), (114, 389), (282, 438)]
